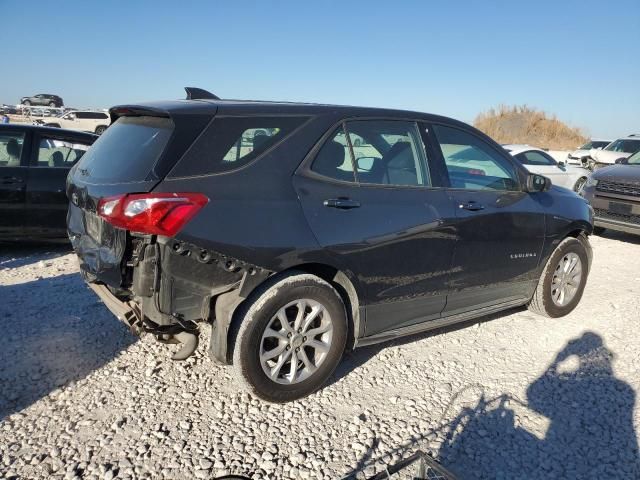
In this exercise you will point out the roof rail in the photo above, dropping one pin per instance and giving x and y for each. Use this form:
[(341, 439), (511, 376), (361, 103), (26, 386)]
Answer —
[(195, 93)]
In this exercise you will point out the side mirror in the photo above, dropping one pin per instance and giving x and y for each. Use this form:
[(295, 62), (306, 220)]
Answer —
[(562, 164), (537, 183), (622, 161), (365, 163)]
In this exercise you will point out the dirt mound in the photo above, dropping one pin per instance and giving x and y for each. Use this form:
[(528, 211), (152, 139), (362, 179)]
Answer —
[(522, 124)]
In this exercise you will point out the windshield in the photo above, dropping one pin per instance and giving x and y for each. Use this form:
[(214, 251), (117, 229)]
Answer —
[(594, 144), (128, 150), (624, 145)]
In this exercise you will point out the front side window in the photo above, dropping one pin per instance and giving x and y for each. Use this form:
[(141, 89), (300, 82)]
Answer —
[(473, 164), (535, 158), (53, 152), (11, 148)]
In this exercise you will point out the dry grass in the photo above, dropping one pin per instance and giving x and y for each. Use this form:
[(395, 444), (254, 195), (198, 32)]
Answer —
[(523, 124)]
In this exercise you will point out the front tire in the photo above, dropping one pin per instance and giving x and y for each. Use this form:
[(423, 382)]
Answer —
[(579, 184), (290, 338), (52, 104), (599, 230), (26, 103), (563, 279)]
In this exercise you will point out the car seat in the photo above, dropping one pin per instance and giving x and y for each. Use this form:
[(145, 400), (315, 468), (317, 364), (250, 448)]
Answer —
[(56, 159), (13, 150)]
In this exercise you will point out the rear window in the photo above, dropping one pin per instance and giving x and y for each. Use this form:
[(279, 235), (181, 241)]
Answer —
[(230, 143), (128, 150)]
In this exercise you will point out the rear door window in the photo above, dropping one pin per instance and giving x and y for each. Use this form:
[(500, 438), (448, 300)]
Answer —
[(389, 152), (127, 151), (333, 159)]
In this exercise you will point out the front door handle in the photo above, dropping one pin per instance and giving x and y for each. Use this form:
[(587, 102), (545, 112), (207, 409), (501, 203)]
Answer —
[(341, 203), (471, 206)]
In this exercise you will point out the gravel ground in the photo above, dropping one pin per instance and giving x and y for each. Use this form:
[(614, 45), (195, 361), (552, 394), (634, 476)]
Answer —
[(513, 396)]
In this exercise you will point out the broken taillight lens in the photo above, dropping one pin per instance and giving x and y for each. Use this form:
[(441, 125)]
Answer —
[(151, 213)]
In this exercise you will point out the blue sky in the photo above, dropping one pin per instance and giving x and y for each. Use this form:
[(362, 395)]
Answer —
[(578, 60)]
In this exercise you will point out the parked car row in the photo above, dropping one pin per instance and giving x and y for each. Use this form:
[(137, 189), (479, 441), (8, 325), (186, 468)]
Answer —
[(598, 153), (95, 121)]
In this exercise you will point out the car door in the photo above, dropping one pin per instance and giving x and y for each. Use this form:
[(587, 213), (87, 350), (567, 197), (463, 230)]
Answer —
[(46, 201), (544, 164), (14, 152), (500, 228), (372, 207)]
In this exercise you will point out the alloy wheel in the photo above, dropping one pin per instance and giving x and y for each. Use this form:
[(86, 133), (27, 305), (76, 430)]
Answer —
[(296, 341), (566, 279)]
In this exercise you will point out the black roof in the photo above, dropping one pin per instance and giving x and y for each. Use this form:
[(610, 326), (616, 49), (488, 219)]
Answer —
[(170, 108), (49, 130)]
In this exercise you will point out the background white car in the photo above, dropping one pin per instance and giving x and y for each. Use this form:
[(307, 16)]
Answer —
[(94, 121), (580, 156), (538, 161), (621, 148)]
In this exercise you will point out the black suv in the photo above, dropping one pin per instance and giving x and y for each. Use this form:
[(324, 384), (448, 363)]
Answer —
[(268, 221), (45, 99)]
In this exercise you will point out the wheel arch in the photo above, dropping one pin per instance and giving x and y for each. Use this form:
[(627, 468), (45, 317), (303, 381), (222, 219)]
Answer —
[(230, 307)]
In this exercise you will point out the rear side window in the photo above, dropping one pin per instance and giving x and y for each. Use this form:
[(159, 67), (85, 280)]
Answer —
[(127, 151), (230, 143)]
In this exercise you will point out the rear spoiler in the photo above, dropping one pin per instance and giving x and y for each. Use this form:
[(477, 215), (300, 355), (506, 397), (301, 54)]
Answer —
[(193, 93)]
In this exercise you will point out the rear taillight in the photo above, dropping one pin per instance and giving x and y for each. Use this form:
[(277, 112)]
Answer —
[(151, 213)]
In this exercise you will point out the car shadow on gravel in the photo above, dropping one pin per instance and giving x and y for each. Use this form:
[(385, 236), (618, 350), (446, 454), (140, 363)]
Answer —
[(586, 416), (14, 255), (358, 357), (55, 331), (576, 422), (621, 236)]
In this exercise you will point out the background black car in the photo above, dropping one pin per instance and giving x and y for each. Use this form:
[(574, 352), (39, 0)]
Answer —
[(614, 194), (45, 99), (34, 163), (295, 242)]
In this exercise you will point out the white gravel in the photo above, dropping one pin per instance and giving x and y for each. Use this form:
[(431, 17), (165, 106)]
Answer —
[(82, 398)]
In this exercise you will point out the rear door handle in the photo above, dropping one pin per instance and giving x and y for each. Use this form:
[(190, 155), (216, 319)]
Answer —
[(471, 206), (9, 180), (342, 203)]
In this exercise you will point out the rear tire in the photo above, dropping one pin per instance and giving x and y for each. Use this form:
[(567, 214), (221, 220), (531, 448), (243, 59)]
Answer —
[(599, 230), (52, 104), (297, 317), (560, 287), (100, 130)]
